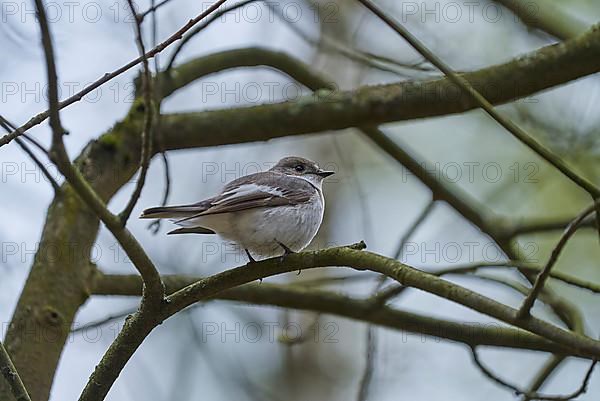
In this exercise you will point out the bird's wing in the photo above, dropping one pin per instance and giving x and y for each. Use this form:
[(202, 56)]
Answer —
[(258, 190)]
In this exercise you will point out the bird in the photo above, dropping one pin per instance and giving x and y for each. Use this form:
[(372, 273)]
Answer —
[(270, 213)]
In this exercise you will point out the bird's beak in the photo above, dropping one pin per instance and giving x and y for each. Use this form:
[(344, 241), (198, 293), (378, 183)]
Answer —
[(324, 173)]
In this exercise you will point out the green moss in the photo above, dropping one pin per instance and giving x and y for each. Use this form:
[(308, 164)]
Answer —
[(131, 125), (109, 140)]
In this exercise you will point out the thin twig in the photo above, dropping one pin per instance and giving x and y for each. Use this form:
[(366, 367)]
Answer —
[(104, 321), (153, 8), (533, 396), (597, 206), (544, 374), (41, 166), (109, 76), (462, 83), (571, 229), (147, 132), (533, 227), (357, 55), (522, 266), (393, 291), (8, 128), (367, 376), (565, 311), (155, 225), (33, 141), (413, 228), (190, 35), (12, 377), (371, 345), (152, 280), (366, 58)]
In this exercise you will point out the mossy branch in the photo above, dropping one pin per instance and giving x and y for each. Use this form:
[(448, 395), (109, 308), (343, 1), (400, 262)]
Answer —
[(374, 105), (320, 301), (137, 327)]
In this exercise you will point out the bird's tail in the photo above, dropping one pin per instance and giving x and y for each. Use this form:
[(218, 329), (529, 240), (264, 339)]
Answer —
[(173, 212), (183, 215)]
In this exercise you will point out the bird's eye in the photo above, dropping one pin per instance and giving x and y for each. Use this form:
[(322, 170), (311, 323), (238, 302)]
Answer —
[(299, 168)]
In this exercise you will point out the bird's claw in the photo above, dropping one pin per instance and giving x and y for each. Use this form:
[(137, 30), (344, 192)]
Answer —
[(250, 258), (286, 249)]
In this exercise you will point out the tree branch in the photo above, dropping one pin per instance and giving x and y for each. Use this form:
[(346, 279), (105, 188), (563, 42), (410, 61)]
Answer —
[(545, 372), (8, 127), (147, 132), (374, 105), (535, 396), (525, 308), (295, 297), (137, 327), (534, 226), (11, 376)]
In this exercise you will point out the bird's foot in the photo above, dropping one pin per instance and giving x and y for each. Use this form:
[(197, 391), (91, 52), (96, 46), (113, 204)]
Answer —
[(250, 261), (286, 251)]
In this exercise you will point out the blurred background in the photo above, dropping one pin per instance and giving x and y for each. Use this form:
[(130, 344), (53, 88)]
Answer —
[(221, 350)]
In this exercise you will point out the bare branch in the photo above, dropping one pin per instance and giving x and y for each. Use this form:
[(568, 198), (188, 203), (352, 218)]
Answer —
[(563, 309), (147, 132), (367, 376), (107, 319), (38, 119), (413, 228), (537, 226), (375, 105), (194, 32), (391, 292), (59, 155), (547, 370), (293, 296), (152, 9), (371, 340), (523, 266), (363, 260), (533, 396), (369, 59), (8, 127), (155, 225), (571, 229), (139, 325)]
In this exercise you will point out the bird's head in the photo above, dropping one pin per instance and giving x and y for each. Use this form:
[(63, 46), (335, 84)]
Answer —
[(301, 167)]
